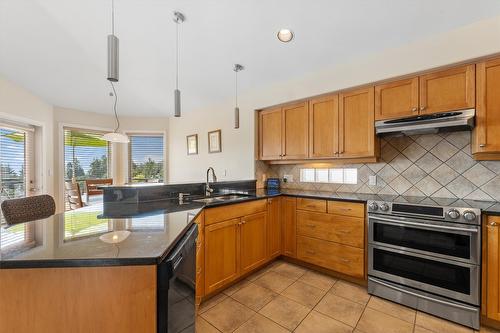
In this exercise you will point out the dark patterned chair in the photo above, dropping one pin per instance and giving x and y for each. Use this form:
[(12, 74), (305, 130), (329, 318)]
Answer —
[(28, 209)]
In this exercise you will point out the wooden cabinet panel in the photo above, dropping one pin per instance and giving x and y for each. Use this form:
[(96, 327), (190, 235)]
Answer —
[(448, 90), (357, 124), (315, 205), (270, 130), (336, 228), (346, 208), (218, 214), (200, 258), (253, 231), (396, 99), (492, 269), (324, 127), (341, 258), (295, 132), (485, 138), (288, 223), (222, 253), (273, 227)]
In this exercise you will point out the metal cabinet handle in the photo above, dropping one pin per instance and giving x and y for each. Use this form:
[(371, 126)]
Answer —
[(414, 110), (422, 108), (493, 224), (344, 260), (482, 145)]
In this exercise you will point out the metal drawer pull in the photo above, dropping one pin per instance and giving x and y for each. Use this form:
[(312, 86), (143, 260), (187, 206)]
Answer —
[(493, 224), (482, 145), (346, 209), (422, 296), (344, 260)]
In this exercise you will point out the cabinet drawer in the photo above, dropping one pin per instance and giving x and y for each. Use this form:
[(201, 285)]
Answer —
[(346, 208), (336, 228), (218, 214), (314, 205), (341, 258)]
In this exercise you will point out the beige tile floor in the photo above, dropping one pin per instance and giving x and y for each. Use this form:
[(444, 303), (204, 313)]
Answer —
[(283, 297)]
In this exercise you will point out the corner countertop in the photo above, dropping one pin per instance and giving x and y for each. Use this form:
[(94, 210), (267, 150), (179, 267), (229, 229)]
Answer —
[(78, 238)]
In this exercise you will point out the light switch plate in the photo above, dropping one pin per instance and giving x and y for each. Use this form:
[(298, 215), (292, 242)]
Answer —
[(372, 180), (288, 178)]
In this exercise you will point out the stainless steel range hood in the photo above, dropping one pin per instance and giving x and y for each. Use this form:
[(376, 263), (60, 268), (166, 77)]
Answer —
[(424, 124)]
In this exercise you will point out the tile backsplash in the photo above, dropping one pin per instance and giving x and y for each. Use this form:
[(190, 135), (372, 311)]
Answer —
[(436, 165)]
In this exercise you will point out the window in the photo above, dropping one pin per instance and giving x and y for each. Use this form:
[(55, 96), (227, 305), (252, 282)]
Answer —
[(16, 165), (146, 158), (336, 175), (86, 156)]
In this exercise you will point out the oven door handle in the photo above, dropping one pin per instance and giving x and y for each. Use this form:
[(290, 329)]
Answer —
[(464, 307), (416, 224)]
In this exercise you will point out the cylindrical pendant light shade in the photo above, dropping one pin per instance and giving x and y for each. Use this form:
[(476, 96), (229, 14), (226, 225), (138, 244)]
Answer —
[(113, 65), (236, 117), (177, 102)]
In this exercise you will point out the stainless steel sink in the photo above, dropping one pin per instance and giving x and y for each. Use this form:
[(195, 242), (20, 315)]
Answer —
[(221, 198)]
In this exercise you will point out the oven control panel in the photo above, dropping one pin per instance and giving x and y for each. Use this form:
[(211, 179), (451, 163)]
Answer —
[(441, 213)]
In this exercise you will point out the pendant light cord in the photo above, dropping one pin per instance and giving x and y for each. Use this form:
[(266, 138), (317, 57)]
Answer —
[(114, 107), (112, 17), (236, 86), (177, 55)]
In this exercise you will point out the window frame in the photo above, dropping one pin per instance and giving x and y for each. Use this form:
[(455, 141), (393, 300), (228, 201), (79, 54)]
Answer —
[(128, 161)]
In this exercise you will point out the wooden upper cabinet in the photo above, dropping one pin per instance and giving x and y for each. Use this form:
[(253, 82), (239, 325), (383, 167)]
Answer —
[(289, 227), (273, 227), (485, 138), (295, 131), (222, 253), (448, 90), (396, 99), (324, 127), (253, 231), (491, 267), (357, 123), (270, 131)]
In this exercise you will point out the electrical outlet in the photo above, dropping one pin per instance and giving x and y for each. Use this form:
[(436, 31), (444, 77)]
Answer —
[(372, 180), (288, 178)]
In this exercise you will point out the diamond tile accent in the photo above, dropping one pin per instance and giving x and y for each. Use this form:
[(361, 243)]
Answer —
[(444, 150), (414, 151), (428, 185), (436, 165), (444, 174)]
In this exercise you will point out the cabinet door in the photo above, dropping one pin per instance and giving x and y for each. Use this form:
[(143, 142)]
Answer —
[(274, 227), (357, 124), (485, 137), (396, 99), (270, 131), (448, 90), (222, 252), (288, 223), (493, 268), (295, 132), (324, 127), (253, 236), (200, 258)]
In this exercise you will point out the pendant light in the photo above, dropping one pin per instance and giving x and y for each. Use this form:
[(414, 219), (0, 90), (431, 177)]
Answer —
[(114, 136), (178, 19), (236, 69)]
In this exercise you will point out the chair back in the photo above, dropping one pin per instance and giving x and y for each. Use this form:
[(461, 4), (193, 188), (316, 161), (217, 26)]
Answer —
[(91, 185), (73, 195), (28, 209)]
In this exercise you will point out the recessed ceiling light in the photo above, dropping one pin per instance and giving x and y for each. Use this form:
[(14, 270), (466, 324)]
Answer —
[(285, 35)]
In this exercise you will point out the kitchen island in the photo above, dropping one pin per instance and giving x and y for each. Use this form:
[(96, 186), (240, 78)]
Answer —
[(82, 271)]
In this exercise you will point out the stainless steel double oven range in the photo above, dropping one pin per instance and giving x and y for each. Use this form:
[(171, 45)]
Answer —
[(427, 258)]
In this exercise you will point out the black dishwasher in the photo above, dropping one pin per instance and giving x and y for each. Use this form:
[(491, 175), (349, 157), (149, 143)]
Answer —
[(176, 287)]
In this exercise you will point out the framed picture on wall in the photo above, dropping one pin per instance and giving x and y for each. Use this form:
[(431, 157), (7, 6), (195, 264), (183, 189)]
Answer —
[(215, 141), (192, 144)]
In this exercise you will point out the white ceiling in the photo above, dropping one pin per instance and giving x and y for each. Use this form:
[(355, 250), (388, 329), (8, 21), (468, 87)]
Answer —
[(57, 48)]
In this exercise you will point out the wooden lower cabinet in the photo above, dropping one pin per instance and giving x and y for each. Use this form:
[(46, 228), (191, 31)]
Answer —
[(288, 224), (253, 241), (491, 268), (222, 252), (341, 258), (273, 227)]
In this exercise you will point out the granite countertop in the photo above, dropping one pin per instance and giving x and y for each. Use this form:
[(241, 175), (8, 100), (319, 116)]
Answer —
[(84, 237)]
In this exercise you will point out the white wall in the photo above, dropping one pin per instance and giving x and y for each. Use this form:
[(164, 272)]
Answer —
[(475, 40), (19, 105)]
